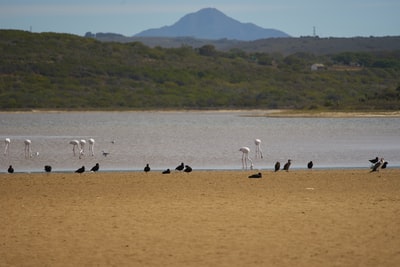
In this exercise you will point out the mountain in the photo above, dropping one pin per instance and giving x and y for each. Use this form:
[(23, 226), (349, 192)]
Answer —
[(210, 23)]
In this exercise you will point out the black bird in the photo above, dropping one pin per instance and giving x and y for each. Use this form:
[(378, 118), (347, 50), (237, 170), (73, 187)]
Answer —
[(257, 175), (147, 168), (187, 168), (95, 168), (376, 166), (310, 165), (10, 169), (167, 171), (384, 165), (277, 166), (287, 165), (375, 160), (180, 167), (80, 170), (47, 168)]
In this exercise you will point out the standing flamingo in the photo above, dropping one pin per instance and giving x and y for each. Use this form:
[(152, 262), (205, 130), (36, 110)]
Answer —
[(258, 148), (82, 150), (28, 152), (75, 145), (91, 146), (7, 142), (245, 156)]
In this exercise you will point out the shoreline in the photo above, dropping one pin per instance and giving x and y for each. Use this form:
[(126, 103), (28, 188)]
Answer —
[(272, 113)]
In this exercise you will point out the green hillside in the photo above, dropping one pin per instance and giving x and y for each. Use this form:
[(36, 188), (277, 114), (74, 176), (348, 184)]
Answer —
[(60, 71)]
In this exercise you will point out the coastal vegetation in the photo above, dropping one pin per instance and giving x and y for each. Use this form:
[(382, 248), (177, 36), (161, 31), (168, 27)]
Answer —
[(62, 71)]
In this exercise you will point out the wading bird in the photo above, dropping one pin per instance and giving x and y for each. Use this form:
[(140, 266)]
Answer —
[(27, 143), (258, 148), (245, 157), (7, 142), (75, 145), (91, 146)]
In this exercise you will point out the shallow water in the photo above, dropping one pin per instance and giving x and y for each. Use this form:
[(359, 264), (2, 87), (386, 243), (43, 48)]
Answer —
[(204, 140)]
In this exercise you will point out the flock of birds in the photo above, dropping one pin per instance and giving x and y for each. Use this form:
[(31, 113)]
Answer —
[(78, 146)]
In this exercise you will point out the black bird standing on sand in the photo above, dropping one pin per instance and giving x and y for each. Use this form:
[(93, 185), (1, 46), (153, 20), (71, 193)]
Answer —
[(95, 168), (147, 168), (180, 167), (187, 168), (80, 170), (47, 168), (376, 166), (277, 166), (375, 160), (384, 165), (287, 165), (257, 175), (10, 169), (310, 165), (167, 171)]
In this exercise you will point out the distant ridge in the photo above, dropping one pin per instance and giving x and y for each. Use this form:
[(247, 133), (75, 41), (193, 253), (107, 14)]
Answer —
[(212, 24)]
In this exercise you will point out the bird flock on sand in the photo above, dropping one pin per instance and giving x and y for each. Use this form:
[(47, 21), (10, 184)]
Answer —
[(78, 148)]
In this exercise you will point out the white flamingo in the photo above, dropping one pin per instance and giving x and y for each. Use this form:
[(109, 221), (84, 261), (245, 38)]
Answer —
[(91, 146), (258, 148), (245, 156), (82, 150), (28, 152), (75, 145), (7, 142)]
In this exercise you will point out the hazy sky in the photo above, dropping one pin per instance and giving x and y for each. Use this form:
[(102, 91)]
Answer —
[(336, 18)]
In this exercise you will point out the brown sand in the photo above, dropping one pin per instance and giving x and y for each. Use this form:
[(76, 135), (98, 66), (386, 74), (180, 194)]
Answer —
[(217, 218)]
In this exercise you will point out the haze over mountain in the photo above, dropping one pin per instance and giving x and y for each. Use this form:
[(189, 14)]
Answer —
[(212, 24)]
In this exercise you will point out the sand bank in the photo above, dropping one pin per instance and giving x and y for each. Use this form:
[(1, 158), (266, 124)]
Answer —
[(216, 218)]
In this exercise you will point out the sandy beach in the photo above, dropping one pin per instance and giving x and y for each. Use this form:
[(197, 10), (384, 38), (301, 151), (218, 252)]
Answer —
[(203, 218)]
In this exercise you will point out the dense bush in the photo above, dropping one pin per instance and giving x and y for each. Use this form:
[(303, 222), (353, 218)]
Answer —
[(61, 71)]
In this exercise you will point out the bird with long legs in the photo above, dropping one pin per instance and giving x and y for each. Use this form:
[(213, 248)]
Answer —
[(245, 157), (82, 143), (7, 142), (28, 152), (91, 146), (75, 146), (259, 153)]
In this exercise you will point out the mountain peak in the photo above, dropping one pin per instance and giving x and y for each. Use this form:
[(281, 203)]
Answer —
[(210, 23)]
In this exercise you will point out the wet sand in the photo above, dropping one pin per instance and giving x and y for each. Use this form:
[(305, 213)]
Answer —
[(204, 218)]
